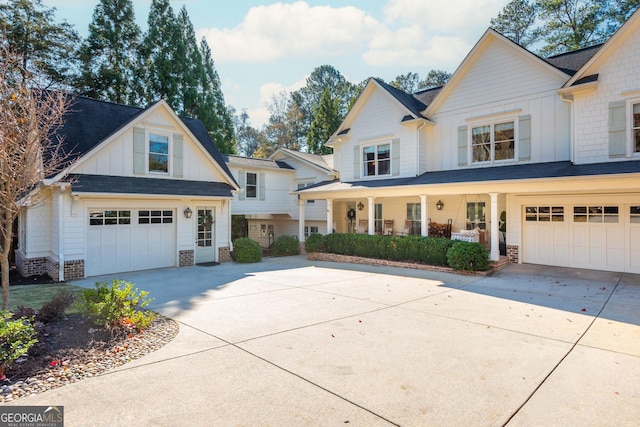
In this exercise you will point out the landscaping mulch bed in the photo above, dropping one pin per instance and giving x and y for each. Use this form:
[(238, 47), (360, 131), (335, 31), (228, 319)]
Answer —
[(73, 349)]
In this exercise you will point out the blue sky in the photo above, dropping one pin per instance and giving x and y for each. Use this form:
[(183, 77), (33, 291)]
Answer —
[(263, 47)]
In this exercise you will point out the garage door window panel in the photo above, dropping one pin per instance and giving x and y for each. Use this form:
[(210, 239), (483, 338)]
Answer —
[(544, 213), (634, 214), (109, 217), (155, 217), (596, 214)]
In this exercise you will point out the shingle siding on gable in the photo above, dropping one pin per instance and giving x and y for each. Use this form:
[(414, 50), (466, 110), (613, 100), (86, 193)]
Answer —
[(617, 74)]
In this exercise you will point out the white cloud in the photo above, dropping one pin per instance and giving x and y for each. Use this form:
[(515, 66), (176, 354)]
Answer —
[(292, 30), (259, 116), (410, 46), (445, 17)]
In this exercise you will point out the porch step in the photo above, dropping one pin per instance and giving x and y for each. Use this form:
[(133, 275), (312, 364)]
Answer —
[(266, 252)]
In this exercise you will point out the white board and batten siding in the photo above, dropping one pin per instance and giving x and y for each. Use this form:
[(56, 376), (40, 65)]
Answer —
[(378, 121), (116, 158), (501, 83)]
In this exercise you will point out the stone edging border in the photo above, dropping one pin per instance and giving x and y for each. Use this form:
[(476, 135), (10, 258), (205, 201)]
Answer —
[(322, 256)]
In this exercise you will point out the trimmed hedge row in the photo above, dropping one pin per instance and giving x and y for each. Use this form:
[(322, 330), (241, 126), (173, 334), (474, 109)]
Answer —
[(426, 250)]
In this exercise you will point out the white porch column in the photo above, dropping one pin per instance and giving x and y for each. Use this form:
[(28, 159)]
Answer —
[(301, 221), (329, 216), (495, 242), (372, 225), (424, 224)]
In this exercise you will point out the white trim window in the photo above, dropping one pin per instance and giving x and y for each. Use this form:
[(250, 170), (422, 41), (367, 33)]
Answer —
[(376, 160), (251, 187), (310, 230), (493, 142), (635, 127), (158, 153)]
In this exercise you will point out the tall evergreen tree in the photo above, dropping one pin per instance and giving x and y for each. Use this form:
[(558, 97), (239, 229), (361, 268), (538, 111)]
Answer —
[(163, 55), (620, 11), (211, 108), (572, 24), (47, 49), (435, 78), (325, 123), (408, 83), (517, 21), (108, 54), (193, 76)]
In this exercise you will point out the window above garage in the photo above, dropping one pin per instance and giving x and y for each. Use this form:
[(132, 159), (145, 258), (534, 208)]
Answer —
[(157, 152)]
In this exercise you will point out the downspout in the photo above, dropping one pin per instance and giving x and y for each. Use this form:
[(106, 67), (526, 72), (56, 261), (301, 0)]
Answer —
[(230, 225), (569, 100), (61, 233), (418, 147)]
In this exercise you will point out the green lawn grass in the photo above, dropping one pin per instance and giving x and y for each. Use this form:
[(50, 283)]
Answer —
[(34, 296)]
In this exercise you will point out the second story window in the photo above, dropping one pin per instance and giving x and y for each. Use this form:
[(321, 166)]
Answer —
[(158, 153), (377, 160), (252, 185), (494, 142), (636, 127)]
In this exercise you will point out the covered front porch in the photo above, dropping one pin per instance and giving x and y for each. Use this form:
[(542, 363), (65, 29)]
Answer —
[(469, 217)]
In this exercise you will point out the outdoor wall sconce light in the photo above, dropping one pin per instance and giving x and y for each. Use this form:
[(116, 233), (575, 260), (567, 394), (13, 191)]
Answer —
[(188, 212), (439, 205), (360, 206)]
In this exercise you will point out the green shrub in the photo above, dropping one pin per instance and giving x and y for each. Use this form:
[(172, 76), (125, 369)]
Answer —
[(16, 336), (469, 256), (54, 309), (315, 243), (117, 305), (285, 246), (246, 250), (426, 250)]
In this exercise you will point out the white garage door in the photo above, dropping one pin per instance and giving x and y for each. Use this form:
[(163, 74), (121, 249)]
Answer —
[(603, 237), (127, 240)]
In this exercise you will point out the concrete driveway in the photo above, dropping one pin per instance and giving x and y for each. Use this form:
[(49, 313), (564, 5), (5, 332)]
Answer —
[(291, 342)]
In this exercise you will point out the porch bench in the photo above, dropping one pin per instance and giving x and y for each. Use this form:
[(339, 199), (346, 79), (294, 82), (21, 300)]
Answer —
[(466, 236)]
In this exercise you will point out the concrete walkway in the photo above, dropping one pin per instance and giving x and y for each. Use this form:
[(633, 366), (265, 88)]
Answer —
[(287, 342)]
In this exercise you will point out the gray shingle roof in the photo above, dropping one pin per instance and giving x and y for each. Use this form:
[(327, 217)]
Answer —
[(496, 173), (88, 122), (571, 62), (427, 96), (255, 163), (82, 183), (315, 159), (414, 105)]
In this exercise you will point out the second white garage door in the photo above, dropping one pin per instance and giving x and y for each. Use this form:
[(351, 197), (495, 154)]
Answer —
[(604, 237), (122, 240)]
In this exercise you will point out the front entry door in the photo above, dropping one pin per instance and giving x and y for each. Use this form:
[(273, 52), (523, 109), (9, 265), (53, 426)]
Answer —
[(205, 240)]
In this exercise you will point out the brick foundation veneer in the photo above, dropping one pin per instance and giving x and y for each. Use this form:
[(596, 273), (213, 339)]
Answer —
[(186, 258), (319, 256), (74, 270), (303, 250), (224, 254), (513, 252), (30, 266)]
